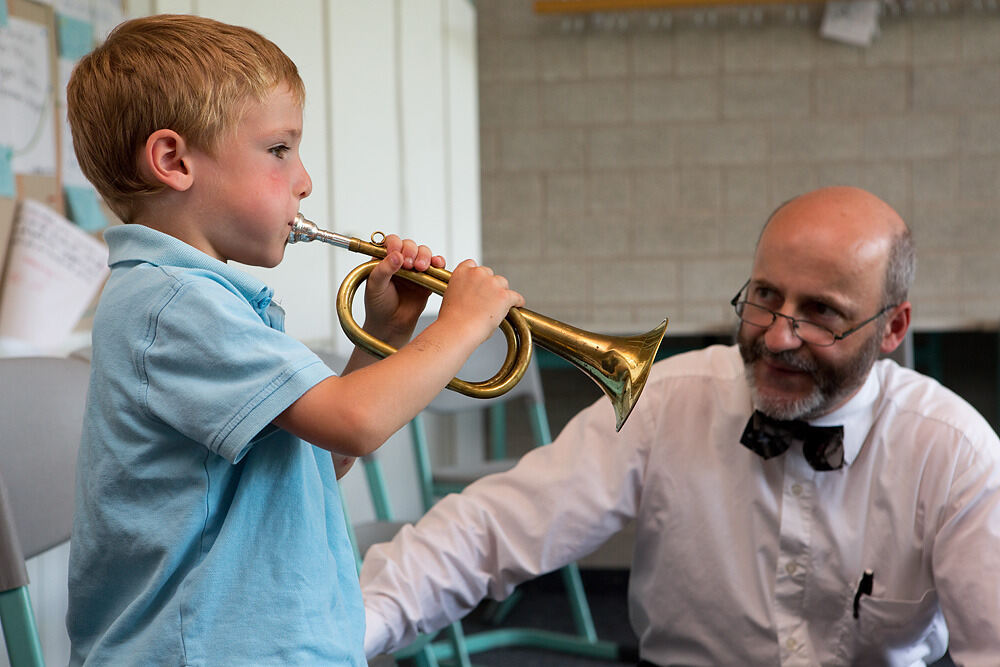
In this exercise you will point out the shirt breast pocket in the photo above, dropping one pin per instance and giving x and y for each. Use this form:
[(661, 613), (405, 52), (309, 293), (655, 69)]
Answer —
[(900, 632)]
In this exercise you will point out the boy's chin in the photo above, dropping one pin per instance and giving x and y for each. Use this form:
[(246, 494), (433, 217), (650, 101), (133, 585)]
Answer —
[(272, 264), (273, 259)]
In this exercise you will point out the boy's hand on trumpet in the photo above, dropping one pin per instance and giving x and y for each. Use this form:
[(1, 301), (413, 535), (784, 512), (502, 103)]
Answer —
[(476, 301), (393, 306)]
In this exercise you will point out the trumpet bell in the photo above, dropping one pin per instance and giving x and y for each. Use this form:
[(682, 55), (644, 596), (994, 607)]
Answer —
[(619, 365)]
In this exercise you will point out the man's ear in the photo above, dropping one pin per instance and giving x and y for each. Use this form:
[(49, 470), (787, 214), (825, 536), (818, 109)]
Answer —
[(896, 327), (166, 159)]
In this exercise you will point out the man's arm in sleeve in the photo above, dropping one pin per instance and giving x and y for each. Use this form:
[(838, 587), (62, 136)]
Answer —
[(558, 504), (966, 559)]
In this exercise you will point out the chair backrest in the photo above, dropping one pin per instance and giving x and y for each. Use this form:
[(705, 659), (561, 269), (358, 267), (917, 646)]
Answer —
[(41, 408), (481, 365)]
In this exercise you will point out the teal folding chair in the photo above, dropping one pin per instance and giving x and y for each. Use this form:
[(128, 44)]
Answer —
[(382, 529), (436, 481), (41, 409), (423, 652)]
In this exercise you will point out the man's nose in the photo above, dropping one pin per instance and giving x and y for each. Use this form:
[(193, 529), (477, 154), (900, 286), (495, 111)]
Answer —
[(781, 334)]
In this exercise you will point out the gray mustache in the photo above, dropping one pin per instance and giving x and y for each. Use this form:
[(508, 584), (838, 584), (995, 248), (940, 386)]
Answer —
[(787, 357)]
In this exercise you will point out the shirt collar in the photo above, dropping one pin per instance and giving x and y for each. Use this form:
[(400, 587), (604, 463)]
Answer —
[(856, 416), (138, 243)]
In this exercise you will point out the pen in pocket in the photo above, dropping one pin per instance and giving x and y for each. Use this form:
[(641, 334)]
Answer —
[(864, 588)]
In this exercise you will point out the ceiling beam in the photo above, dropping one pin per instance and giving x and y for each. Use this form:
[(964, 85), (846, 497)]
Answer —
[(585, 6)]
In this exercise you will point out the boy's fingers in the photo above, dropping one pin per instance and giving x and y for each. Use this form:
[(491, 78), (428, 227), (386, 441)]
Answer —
[(379, 278), (393, 243), (409, 253), (423, 258)]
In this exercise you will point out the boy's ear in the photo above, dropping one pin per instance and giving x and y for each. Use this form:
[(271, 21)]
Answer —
[(166, 159)]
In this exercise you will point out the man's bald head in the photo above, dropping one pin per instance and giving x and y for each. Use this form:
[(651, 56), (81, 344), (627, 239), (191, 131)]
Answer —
[(856, 221)]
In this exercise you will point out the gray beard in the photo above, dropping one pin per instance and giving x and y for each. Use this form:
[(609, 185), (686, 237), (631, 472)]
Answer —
[(831, 384)]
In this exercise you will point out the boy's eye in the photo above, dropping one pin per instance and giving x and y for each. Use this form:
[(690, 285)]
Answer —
[(279, 151)]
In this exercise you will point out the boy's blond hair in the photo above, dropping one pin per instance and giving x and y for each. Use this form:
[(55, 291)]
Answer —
[(188, 74)]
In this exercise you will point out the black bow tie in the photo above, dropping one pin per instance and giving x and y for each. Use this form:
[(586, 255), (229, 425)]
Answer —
[(823, 446)]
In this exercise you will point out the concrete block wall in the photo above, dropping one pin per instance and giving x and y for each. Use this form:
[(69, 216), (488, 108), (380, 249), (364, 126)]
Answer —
[(626, 172)]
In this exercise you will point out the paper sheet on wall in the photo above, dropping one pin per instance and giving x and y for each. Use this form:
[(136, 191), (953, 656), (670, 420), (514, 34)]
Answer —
[(54, 269), (850, 21), (26, 97), (8, 188), (75, 37), (79, 9), (103, 15)]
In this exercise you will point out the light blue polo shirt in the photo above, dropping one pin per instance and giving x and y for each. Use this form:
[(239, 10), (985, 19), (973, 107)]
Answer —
[(203, 534)]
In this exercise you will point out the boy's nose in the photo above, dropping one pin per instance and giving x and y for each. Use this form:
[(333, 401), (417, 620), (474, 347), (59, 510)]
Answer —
[(304, 186)]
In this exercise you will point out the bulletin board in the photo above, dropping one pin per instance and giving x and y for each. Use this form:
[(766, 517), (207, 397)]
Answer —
[(51, 218)]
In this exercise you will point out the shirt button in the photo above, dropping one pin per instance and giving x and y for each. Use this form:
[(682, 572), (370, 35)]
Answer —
[(796, 489), (790, 568), (791, 644)]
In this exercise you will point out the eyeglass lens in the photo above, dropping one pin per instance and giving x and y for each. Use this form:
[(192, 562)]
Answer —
[(762, 317)]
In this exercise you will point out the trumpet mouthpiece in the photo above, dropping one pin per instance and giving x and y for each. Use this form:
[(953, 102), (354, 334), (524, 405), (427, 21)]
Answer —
[(302, 229)]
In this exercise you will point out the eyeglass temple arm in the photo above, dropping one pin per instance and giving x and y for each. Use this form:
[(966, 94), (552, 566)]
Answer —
[(735, 299)]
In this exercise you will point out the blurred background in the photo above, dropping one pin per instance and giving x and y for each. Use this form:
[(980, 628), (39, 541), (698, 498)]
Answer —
[(616, 160)]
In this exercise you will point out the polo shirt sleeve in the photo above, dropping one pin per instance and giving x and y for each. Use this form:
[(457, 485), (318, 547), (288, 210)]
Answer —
[(215, 372)]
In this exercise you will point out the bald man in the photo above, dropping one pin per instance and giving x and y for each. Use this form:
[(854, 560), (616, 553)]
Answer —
[(797, 501)]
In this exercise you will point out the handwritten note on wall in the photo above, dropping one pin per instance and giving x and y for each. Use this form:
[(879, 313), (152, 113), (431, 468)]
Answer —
[(26, 97), (54, 269)]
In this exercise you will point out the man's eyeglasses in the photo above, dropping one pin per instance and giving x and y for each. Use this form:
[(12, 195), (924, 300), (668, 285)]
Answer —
[(806, 331)]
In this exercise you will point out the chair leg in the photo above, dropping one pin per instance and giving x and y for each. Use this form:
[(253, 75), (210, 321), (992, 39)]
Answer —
[(457, 648), (351, 535), (421, 455), (426, 658), (19, 629), (378, 491), (498, 431), (578, 604), (539, 424), (499, 611), (458, 640), (427, 652)]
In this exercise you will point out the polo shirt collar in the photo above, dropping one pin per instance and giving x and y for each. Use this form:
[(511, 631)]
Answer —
[(138, 243)]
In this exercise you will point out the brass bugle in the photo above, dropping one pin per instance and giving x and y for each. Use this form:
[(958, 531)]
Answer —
[(618, 364)]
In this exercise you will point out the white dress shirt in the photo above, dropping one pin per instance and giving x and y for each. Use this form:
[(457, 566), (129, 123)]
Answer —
[(738, 560)]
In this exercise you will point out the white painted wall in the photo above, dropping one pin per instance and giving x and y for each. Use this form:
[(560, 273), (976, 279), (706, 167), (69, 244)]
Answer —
[(391, 142)]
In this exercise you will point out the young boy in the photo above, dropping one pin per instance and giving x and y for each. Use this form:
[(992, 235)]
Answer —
[(207, 532)]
